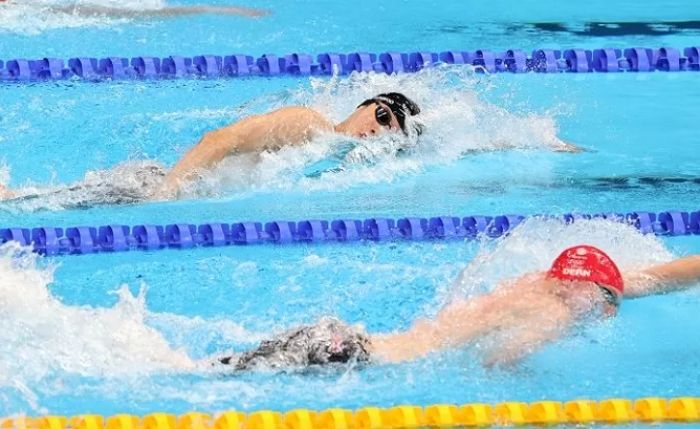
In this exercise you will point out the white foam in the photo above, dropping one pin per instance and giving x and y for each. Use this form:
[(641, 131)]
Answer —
[(40, 336), (32, 17), (4, 173), (117, 4), (44, 341)]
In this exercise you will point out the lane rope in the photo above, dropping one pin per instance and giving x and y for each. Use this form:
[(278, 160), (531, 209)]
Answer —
[(117, 238), (604, 60), (580, 411)]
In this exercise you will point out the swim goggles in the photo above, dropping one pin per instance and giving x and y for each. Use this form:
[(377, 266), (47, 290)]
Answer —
[(381, 114), (610, 297)]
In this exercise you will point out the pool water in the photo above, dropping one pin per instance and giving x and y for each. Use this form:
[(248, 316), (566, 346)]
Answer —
[(106, 333)]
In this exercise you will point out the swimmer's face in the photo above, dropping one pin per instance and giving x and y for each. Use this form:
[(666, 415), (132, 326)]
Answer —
[(370, 120), (585, 298)]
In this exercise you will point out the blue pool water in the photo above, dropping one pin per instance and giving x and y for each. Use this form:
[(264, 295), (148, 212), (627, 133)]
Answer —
[(71, 343)]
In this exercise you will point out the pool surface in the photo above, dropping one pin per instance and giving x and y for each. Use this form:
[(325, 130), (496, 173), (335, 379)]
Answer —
[(107, 333)]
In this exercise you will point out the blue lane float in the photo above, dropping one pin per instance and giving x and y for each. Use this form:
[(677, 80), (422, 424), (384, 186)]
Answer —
[(117, 238), (605, 60)]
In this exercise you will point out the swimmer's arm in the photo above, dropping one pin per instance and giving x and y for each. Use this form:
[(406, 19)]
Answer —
[(563, 146), (677, 275), (539, 332), (212, 148), (458, 323), (170, 11), (286, 126), (557, 146)]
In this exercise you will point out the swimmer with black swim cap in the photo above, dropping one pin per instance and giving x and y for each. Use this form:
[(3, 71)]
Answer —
[(290, 126), (399, 105), (582, 285), (391, 112)]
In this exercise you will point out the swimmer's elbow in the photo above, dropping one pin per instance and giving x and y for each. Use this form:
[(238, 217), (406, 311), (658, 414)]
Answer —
[(218, 144)]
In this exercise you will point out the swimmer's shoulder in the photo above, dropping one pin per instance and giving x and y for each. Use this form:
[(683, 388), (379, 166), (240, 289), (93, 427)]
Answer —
[(282, 127), (301, 115)]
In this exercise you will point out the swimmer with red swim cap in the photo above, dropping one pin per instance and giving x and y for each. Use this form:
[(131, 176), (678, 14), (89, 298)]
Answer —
[(590, 265), (583, 284)]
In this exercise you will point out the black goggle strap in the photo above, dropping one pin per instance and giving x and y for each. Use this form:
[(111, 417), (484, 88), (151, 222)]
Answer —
[(397, 110)]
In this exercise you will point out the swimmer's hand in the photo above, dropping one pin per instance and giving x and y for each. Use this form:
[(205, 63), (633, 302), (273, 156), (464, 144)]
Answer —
[(570, 148), (223, 10), (5, 193), (169, 11), (244, 11), (554, 145)]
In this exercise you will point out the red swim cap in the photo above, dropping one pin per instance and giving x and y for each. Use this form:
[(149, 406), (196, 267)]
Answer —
[(588, 263)]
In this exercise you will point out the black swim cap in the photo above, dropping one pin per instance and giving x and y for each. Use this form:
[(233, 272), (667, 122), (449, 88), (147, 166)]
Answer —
[(400, 105)]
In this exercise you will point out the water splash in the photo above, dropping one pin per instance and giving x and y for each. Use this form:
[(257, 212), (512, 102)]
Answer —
[(4, 172), (41, 337), (116, 4), (127, 182), (457, 120), (32, 17)]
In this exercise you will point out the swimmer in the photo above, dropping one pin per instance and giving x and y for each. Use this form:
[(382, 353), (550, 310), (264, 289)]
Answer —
[(288, 126), (385, 113), (268, 132), (582, 285), (168, 11)]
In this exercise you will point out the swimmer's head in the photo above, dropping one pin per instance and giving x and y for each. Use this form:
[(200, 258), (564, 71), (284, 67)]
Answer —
[(588, 264), (385, 112)]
